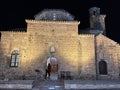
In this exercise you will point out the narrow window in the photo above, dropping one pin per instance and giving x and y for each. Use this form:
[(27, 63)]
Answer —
[(14, 59), (102, 67), (94, 12)]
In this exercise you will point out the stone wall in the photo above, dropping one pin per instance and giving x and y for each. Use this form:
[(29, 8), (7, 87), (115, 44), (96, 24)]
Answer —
[(74, 53), (87, 57), (108, 50), (34, 47), (53, 27), (11, 41)]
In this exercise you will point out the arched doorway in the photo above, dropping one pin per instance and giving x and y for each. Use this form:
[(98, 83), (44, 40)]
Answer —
[(54, 64), (52, 61), (102, 67)]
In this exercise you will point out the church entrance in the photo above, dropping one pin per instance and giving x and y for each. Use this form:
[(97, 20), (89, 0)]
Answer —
[(53, 65)]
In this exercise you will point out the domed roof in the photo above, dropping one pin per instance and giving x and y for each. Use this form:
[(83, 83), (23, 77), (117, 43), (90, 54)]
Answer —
[(54, 15)]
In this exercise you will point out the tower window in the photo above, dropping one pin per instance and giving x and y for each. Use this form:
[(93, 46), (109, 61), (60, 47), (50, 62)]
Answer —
[(14, 59), (102, 67), (94, 13)]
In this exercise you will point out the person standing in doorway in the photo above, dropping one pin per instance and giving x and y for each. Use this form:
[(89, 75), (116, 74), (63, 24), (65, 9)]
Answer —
[(49, 70)]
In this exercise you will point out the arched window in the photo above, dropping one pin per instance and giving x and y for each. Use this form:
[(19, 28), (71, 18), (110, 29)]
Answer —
[(102, 67), (14, 59)]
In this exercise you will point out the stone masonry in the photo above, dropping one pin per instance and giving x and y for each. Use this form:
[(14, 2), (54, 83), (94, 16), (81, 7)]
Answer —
[(78, 54)]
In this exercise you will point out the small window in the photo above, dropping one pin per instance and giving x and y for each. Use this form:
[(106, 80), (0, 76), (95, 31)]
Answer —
[(102, 67), (14, 59), (94, 12)]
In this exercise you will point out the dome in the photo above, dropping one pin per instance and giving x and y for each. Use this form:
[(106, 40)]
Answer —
[(54, 15)]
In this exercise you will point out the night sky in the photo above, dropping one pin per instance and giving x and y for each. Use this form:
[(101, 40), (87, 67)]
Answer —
[(14, 12)]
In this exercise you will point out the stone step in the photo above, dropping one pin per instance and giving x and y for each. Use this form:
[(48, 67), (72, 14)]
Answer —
[(54, 76), (49, 88), (16, 84)]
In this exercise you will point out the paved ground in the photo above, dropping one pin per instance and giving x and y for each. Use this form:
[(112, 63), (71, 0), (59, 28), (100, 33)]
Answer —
[(59, 84), (92, 85), (49, 85)]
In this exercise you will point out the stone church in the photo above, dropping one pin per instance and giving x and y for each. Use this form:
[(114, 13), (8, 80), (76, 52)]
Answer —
[(53, 38)]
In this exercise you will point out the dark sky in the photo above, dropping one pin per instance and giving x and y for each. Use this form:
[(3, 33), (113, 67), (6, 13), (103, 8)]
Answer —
[(14, 12)]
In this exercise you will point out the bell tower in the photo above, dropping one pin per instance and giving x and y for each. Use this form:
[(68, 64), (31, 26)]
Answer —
[(97, 21)]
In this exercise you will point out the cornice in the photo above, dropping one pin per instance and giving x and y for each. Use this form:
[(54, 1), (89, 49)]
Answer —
[(52, 22)]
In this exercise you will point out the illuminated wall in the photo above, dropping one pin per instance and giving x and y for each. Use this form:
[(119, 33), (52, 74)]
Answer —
[(60, 35), (78, 54), (34, 47), (87, 56)]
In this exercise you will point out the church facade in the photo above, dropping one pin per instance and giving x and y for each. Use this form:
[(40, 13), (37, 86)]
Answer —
[(52, 38)]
